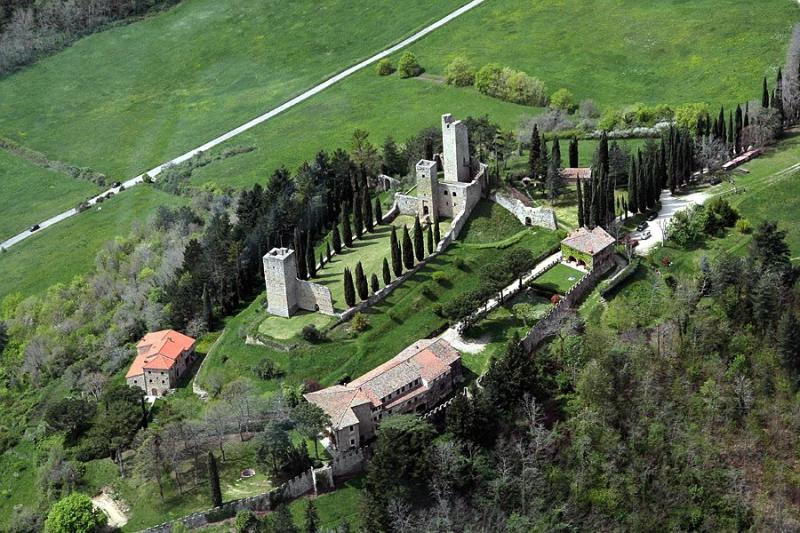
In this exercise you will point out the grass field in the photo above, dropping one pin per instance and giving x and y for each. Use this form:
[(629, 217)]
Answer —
[(405, 316), (29, 194), (58, 254), (558, 279)]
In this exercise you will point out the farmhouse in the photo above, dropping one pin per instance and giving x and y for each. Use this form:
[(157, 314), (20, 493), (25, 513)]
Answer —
[(573, 174), (162, 357), (413, 381), (589, 248)]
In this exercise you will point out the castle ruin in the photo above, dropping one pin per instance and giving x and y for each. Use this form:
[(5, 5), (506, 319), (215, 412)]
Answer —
[(286, 294)]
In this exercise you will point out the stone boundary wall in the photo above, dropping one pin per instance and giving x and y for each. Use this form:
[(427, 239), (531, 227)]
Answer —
[(538, 216), (349, 462), (545, 327), (314, 297), (436, 414), (405, 204)]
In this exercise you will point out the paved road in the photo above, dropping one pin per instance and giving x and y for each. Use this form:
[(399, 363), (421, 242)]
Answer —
[(669, 206), (260, 119)]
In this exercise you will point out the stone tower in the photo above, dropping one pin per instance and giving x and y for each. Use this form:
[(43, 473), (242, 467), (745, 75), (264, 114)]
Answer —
[(427, 189), (280, 273), (456, 150)]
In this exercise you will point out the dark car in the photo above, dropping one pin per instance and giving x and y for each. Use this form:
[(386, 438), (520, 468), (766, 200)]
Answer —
[(715, 181), (641, 227), (34, 227), (116, 184), (652, 216)]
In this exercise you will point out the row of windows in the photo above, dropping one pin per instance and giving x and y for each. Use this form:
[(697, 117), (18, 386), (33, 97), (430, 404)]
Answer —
[(445, 193), (401, 390)]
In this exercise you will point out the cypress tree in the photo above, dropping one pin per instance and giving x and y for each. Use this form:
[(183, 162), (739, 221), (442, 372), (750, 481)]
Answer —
[(321, 259), (349, 289), (641, 183), (632, 186), (397, 264), (361, 282), (213, 481), (347, 233), (430, 239), (419, 249), (337, 239), (368, 220), (387, 275), (765, 94), (535, 154), (300, 255), (311, 262), (408, 250), (731, 128), (283, 520), (746, 121), (312, 519), (739, 124), (591, 220), (374, 285), (573, 152), (328, 254), (378, 212), (625, 209), (721, 124), (778, 101), (358, 216), (437, 237), (581, 222), (208, 312)]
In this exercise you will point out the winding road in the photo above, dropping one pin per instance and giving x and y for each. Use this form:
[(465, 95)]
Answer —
[(256, 121)]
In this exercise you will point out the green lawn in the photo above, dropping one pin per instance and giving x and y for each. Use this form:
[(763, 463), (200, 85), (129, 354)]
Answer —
[(559, 278), (59, 253), (333, 508), (30, 194), (404, 317)]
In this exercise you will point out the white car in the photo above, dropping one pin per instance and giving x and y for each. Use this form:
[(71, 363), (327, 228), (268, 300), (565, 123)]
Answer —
[(645, 235)]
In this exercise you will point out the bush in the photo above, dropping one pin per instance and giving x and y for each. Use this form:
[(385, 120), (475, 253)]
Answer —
[(437, 309), (359, 322), (510, 85), (409, 66), (440, 277), (384, 67), (311, 333), (562, 99), (427, 290), (459, 263), (266, 369), (246, 522), (460, 72), (74, 513), (588, 109), (394, 317), (743, 226)]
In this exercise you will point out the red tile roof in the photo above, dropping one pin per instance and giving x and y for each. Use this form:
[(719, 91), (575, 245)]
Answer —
[(589, 241), (159, 351)]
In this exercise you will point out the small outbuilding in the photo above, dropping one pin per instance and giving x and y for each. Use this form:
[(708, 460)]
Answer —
[(589, 248), (162, 357)]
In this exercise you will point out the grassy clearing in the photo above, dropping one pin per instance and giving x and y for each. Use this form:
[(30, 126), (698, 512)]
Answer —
[(29, 194), (489, 223), (405, 316), (558, 279), (58, 254), (333, 508)]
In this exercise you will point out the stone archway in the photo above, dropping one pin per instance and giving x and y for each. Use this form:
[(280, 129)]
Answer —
[(527, 221), (571, 259), (581, 263)]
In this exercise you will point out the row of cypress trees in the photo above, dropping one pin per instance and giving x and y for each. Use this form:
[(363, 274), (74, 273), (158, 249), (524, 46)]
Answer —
[(402, 256)]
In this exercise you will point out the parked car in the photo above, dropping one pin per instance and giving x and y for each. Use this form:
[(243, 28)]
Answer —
[(116, 184), (34, 227), (715, 181), (652, 216), (645, 235), (642, 226)]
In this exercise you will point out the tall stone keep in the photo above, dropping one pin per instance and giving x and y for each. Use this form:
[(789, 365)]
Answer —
[(456, 150), (427, 189), (280, 273)]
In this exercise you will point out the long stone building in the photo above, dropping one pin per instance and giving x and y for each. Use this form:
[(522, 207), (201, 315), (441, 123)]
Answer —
[(413, 381)]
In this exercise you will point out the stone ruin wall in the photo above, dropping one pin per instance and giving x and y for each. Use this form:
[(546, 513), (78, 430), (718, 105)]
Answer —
[(314, 297), (538, 216)]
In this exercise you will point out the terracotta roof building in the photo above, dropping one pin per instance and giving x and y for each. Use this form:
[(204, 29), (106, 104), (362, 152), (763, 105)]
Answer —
[(162, 357), (414, 380), (588, 247), (573, 174)]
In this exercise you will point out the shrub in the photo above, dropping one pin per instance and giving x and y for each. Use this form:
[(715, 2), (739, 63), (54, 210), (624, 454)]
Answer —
[(311, 385), (394, 317), (562, 99), (246, 522), (743, 226), (554, 299), (384, 67), (460, 72), (610, 119), (488, 80), (427, 290), (437, 309), (359, 323), (311, 333), (74, 513), (409, 66), (266, 369), (459, 263), (520, 88), (588, 109), (440, 277)]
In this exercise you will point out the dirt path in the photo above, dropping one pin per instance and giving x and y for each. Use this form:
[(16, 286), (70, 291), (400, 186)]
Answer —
[(104, 502), (258, 120)]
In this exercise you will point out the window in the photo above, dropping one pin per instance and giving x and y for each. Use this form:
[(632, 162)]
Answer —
[(351, 429), (454, 193), (444, 192), (352, 442)]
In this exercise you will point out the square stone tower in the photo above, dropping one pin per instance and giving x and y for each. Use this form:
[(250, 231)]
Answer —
[(427, 189), (456, 150), (280, 273)]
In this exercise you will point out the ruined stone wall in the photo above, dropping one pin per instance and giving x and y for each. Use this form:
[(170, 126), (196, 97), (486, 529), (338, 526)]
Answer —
[(529, 216), (406, 205), (314, 297)]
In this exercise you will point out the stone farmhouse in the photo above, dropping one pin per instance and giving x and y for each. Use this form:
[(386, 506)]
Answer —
[(286, 294), (162, 357), (413, 381), (573, 174), (589, 248)]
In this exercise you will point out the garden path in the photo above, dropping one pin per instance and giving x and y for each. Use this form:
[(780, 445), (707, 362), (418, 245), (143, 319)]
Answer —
[(152, 173)]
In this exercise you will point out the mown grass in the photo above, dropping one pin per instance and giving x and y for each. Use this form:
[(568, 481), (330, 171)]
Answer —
[(558, 279), (407, 315), (30, 194), (68, 249)]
